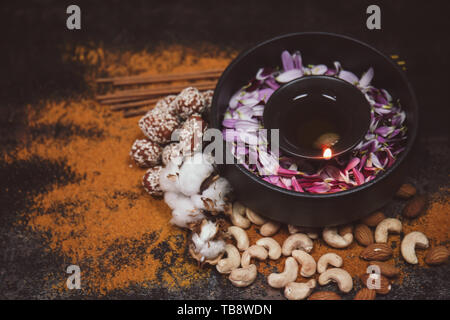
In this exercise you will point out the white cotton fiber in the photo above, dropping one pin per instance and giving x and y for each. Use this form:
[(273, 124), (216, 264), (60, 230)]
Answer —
[(210, 249), (208, 230), (183, 210), (213, 198), (169, 178), (193, 172), (204, 245), (182, 217)]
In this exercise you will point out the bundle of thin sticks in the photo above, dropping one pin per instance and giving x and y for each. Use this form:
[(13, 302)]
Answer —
[(135, 102)]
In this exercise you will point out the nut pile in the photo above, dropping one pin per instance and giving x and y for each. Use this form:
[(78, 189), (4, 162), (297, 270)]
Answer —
[(198, 198), (372, 233)]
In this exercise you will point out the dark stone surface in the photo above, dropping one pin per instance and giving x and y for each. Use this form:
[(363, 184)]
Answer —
[(33, 69)]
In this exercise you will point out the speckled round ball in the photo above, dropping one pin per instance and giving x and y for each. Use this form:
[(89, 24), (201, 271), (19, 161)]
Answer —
[(158, 125), (166, 103), (191, 133), (208, 96), (189, 101), (171, 152), (146, 153), (151, 181)]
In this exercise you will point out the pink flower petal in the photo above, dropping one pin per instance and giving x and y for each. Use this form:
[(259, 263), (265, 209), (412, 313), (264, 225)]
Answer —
[(359, 178), (287, 60), (297, 187), (352, 163)]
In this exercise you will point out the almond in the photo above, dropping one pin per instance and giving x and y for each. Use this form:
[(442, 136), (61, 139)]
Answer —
[(415, 206), (363, 235), (376, 251), (437, 255), (406, 191), (365, 294), (324, 295), (386, 269), (385, 284), (374, 219)]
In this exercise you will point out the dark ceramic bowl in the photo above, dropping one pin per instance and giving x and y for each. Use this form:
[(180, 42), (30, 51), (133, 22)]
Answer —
[(316, 210)]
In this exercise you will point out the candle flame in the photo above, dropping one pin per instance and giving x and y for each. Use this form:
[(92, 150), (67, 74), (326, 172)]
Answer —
[(327, 153)]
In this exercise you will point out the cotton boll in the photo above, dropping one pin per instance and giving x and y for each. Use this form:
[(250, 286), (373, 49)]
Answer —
[(193, 172), (208, 230), (209, 249), (213, 198), (203, 243), (172, 199), (169, 178), (182, 218), (183, 210)]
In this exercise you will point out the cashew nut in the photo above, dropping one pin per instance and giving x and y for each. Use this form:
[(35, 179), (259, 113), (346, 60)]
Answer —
[(238, 216), (241, 237), (310, 232), (254, 251), (306, 261), (272, 246), (328, 259), (231, 262), (299, 291), (386, 226), (410, 242), (340, 276), (332, 238), (296, 241), (254, 217), (243, 277), (268, 229), (280, 280)]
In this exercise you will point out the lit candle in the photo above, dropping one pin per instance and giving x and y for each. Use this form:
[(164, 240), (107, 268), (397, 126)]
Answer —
[(327, 153)]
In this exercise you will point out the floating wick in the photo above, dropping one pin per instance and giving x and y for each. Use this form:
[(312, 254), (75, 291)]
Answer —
[(327, 153)]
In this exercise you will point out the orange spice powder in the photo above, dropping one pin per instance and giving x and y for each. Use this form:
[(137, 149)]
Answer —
[(107, 224)]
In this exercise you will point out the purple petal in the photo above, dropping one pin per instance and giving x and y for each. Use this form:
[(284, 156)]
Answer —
[(263, 73), (264, 94), (398, 119), (386, 95), (359, 178), (348, 76), (229, 135), (319, 69), (337, 66), (229, 123), (375, 161), (297, 60), (235, 100), (384, 131), (289, 75), (287, 60), (286, 172), (366, 78), (297, 187), (352, 163), (248, 137), (320, 187), (272, 83)]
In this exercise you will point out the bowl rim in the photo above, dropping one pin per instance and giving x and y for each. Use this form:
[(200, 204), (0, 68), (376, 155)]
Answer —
[(252, 176)]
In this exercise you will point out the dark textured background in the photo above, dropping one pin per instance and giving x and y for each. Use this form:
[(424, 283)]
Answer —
[(34, 34)]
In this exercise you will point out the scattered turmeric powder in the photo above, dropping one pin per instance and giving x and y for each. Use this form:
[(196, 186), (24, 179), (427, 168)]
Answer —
[(107, 224)]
